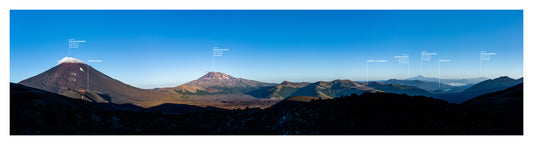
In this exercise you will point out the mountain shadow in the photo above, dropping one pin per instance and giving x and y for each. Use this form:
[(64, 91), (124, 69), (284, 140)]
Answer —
[(39, 112), (35, 111)]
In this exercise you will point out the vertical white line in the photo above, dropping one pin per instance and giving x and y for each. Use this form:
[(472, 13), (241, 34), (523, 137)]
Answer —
[(421, 57), (367, 71), (480, 66), (408, 65), (439, 74), (87, 75)]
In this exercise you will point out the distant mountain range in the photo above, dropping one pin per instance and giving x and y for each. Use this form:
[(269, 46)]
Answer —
[(451, 82), (73, 96), (433, 86), (485, 87), (217, 83), (426, 85), (337, 88), (77, 80)]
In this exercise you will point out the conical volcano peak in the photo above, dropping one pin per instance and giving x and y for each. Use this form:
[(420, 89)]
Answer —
[(69, 60), (418, 77), (219, 79), (503, 78), (217, 76)]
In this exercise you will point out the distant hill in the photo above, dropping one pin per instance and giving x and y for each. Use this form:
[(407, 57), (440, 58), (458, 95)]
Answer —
[(321, 89), (284, 90), (399, 89)]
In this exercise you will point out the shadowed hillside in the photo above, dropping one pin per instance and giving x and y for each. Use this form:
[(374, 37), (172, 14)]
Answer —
[(39, 112), (34, 111)]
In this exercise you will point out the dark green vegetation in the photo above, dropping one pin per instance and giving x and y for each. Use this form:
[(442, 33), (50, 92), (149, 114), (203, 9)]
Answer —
[(35, 111), (283, 92)]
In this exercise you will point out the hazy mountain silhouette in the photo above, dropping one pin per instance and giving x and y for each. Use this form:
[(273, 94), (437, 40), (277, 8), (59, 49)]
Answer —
[(426, 85), (452, 82), (485, 87), (494, 85)]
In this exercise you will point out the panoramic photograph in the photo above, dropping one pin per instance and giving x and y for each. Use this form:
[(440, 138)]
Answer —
[(266, 72)]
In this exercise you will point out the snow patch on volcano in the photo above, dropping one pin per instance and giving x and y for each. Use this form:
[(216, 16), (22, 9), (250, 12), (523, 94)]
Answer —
[(69, 60)]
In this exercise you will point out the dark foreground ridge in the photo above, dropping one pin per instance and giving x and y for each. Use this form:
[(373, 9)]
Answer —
[(35, 111)]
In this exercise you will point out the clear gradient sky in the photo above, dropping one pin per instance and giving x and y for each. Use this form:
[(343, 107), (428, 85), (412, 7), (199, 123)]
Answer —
[(151, 49)]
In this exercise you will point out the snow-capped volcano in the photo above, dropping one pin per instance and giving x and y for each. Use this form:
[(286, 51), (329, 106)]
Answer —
[(216, 76), (215, 81), (219, 79), (74, 78), (69, 60)]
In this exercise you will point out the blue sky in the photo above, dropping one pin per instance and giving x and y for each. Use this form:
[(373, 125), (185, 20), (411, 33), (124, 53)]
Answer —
[(151, 49)]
